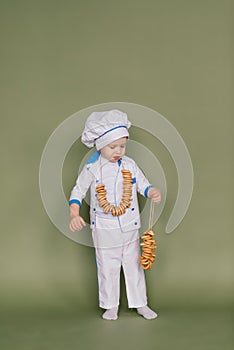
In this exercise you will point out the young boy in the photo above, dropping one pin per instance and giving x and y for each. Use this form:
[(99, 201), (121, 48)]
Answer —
[(114, 181)]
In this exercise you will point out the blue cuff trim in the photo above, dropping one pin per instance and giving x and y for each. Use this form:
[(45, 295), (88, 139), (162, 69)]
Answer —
[(74, 201), (147, 190), (133, 180)]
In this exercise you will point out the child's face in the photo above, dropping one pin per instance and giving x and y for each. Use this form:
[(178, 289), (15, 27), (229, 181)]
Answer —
[(115, 150)]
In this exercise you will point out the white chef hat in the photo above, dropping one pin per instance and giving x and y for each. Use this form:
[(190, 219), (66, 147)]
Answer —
[(102, 128)]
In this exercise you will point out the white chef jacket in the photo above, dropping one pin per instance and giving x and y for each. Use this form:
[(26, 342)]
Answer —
[(112, 178)]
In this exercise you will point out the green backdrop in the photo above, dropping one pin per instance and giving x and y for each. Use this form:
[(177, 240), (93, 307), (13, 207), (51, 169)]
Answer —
[(58, 57)]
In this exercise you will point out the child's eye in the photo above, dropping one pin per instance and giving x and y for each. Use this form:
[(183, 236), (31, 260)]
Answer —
[(122, 146), (112, 147)]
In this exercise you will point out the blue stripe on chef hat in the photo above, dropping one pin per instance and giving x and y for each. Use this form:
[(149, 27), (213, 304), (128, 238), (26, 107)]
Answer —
[(117, 127)]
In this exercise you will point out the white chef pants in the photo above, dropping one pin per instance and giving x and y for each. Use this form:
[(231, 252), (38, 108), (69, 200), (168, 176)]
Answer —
[(109, 262)]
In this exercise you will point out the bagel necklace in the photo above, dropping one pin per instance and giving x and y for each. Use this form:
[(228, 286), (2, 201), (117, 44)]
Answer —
[(126, 197)]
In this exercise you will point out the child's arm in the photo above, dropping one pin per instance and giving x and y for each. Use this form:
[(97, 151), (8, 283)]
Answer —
[(78, 193), (76, 221), (145, 188)]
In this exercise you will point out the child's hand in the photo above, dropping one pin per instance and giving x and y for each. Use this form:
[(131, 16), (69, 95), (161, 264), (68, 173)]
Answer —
[(155, 195), (76, 223)]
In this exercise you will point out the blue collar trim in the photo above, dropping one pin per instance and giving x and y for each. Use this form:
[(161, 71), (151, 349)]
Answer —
[(94, 157)]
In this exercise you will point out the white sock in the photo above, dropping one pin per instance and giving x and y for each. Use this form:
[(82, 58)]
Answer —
[(146, 312), (111, 314)]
